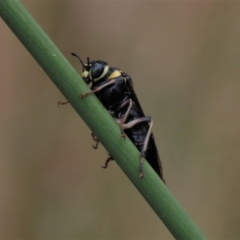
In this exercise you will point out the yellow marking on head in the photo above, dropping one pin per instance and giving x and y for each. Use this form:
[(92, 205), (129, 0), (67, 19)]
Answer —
[(84, 74)]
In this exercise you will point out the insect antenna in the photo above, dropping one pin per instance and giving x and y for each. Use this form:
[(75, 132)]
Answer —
[(75, 55), (88, 61)]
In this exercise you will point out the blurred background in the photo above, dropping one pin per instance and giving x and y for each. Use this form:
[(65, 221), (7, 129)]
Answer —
[(184, 60)]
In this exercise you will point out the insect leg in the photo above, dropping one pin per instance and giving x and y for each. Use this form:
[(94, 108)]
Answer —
[(146, 140), (110, 158), (112, 81), (144, 148), (95, 139), (124, 117), (62, 103)]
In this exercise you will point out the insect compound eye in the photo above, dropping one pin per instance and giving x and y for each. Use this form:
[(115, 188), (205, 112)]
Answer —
[(99, 70)]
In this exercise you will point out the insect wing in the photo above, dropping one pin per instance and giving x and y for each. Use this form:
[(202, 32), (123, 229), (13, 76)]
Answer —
[(153, 158), (152, 155)]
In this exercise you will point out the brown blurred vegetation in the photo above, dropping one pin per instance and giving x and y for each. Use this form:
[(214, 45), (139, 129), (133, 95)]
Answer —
[(184, 60)]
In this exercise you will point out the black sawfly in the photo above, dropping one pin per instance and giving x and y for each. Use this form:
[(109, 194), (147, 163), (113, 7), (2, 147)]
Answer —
[(114, 88)]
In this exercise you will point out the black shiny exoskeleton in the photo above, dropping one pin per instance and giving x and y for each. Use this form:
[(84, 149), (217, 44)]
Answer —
[(138, 133), (115, 91)]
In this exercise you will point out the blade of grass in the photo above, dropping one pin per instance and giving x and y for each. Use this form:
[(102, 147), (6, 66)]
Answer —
[(97, 118)]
